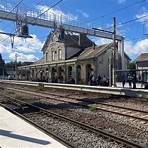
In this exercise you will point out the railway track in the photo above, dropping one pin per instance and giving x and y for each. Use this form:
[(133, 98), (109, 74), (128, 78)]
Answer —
[(26, 110), (18, 109), (133, 114)]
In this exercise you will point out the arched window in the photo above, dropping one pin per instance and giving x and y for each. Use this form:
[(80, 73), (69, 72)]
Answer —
[(59, 54), (69, 71), (79, 73), (88, 72), (46, 57), (53, 55)]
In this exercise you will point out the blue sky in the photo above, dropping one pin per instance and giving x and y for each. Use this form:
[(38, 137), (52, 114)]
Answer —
[(84, 13)]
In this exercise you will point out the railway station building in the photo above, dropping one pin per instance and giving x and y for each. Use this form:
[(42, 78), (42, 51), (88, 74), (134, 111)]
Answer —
[(142, 61), (142, 66), (71, 58)]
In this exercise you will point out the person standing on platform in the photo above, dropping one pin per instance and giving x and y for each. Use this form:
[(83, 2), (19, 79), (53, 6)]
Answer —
[(123, 80), (129, 80)]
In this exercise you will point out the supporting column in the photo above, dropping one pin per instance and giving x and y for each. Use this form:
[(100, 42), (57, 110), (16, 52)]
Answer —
[(96, 68), (36, 73), (110, 70), (75, 67), (49, 74), (21, 74), (114, 53), (65, 73), (25, 74)]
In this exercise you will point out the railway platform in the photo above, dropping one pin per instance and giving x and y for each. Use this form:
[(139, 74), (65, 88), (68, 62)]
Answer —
[(16, 133), (139, 92)]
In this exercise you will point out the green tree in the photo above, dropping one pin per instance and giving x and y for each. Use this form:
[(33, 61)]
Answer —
[(132, 65)]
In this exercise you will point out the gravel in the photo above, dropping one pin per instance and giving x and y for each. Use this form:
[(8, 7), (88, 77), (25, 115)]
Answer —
[(121, 126), (76, 135)]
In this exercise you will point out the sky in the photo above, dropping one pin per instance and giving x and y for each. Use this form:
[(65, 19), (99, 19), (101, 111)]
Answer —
[(84, 13)]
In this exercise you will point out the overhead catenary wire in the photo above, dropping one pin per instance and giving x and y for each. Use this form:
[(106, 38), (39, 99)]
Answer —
[(114, 11), (121, 24), (137, 38), (14, 8), (129, 21), (50, 8), (55, 4), (11, 11), (138, 18)]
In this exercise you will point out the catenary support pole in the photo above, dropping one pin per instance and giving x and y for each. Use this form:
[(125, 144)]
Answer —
[(114, 53)]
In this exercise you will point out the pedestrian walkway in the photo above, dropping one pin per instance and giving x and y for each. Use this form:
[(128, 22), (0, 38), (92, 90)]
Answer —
[(16, 133)]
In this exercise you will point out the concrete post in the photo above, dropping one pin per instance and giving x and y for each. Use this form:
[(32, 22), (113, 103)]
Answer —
[(49, 74), (110, 71), (36, 72), (114, 53)]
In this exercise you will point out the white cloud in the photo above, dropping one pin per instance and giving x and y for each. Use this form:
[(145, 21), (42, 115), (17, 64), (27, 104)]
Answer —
[(132, 49), (26, 49), (145, 13), (55, 14), (135, 49), (100, 41), (6, 7), (84, 14), (29, 45), (143, 20), (1, 6), (23, 57), (2, 48)]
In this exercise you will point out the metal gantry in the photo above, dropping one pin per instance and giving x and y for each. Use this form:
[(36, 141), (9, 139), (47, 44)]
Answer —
[(51, 21)]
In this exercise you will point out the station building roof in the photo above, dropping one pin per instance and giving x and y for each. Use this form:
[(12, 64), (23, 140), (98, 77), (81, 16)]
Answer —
[(142, 58)]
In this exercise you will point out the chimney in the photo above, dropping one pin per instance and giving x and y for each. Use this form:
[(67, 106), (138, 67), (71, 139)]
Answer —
[(62, 34), (82, 37)]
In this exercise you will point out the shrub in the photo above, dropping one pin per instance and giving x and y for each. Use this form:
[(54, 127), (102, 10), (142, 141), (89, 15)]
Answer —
[(93, 107)]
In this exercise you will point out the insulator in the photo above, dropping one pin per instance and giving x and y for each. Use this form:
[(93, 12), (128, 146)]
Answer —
[(25, 30)]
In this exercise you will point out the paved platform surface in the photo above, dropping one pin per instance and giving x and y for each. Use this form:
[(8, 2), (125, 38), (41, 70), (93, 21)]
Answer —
[(16, 133), (139, 92)]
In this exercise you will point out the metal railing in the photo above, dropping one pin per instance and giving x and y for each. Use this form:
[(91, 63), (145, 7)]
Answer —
[(132, 78)]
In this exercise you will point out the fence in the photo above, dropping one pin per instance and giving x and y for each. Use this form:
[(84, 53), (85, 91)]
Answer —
[(132, 78)]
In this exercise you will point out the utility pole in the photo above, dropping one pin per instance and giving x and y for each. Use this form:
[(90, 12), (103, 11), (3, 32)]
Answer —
[(114, 53)]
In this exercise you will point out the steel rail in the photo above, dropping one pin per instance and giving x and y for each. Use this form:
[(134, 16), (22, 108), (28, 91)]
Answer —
[(54, 136), (84, 126), (98, 108), (121, 107)]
